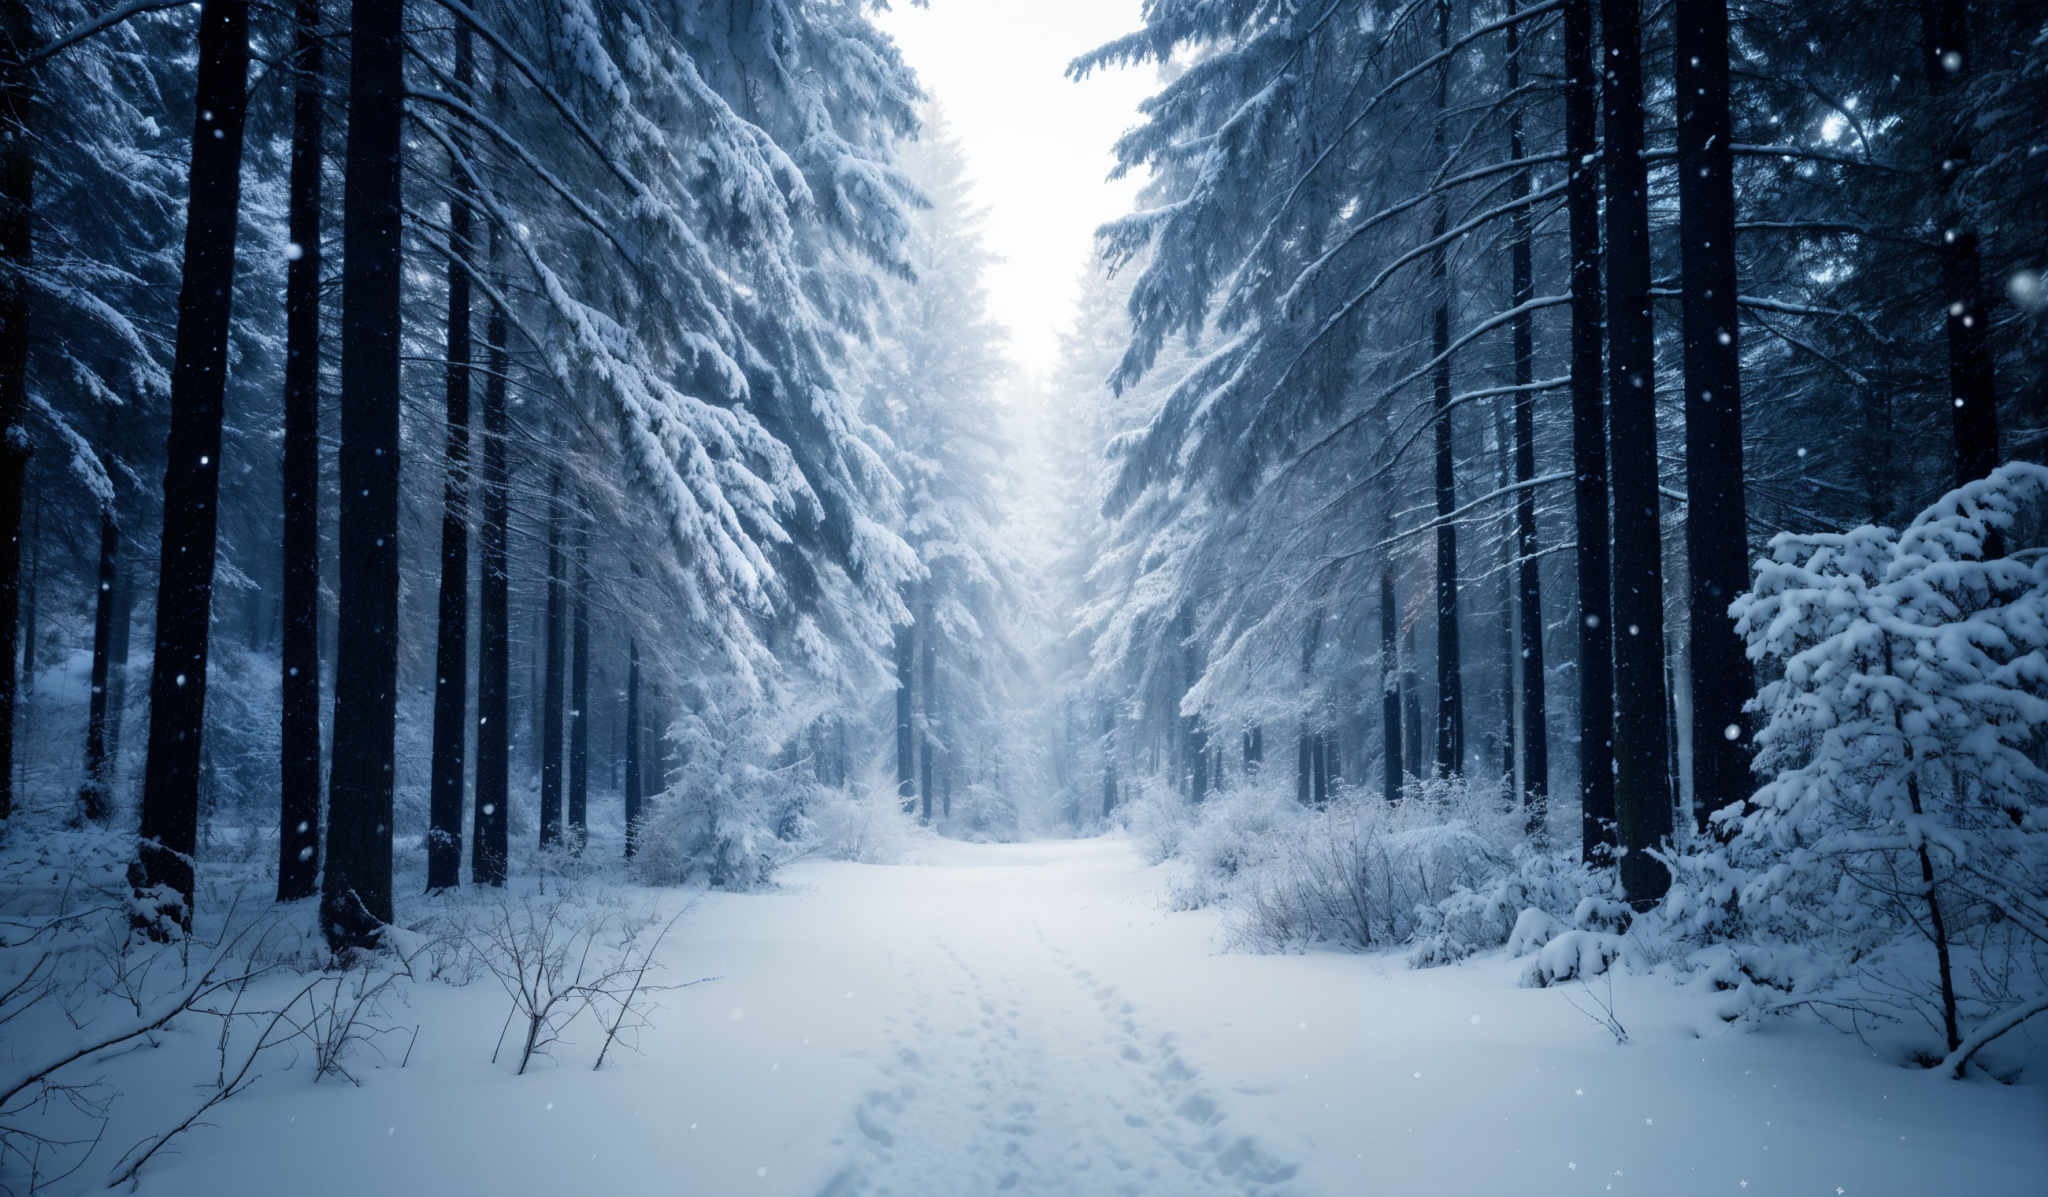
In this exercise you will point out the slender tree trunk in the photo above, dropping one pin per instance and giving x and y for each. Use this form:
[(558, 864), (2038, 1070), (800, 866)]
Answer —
[(1108, 759), (1946, 62), (906, 745), (1716, 519), (95, 796), (1194, 736), (489, 845), (30, 589), (117, 671), (298, 815), (1642, 784), (1411, 709), (1450, 687), (1319, 769), (1535, 776), (1510, 613), (355, 890), (451, 643), (177, 690), (1589, 440), (17, 207), (929, 663), (1390, 688), (634, 781), (552, 667), (579, 695)]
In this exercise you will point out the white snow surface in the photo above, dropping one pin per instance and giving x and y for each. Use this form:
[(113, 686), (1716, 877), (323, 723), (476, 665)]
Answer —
[(1031, 1018)]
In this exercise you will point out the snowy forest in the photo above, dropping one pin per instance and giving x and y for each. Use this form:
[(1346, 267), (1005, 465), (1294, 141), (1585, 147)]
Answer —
[(1487, 632)]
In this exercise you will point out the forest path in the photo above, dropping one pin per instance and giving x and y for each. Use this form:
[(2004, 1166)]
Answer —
[(1013, 1067)]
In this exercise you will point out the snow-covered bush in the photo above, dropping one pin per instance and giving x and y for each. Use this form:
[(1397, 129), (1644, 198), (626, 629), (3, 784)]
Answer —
[(1538, 896), (1236, 835), (864, 822), (733, 809), (1157, 817), (1902, 745), (1365, 873), (983, 812)]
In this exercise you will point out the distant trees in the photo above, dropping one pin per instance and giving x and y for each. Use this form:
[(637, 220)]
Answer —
[(930, 390)]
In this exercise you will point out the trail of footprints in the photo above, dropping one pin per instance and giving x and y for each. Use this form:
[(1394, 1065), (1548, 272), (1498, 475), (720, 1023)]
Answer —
[(1202, 1143), (968, 1112)]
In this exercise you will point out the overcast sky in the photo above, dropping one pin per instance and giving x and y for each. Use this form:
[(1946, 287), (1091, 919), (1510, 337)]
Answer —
[(1038, 143)]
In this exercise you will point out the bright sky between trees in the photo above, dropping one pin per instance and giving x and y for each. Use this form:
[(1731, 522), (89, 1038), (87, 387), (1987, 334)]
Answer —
[(1037, 142)]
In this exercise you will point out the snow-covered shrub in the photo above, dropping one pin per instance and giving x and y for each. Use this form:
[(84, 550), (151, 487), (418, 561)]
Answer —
[(725, 816), (864, 822), (1902, 744), (1574, 955), (984, 813), (1754, 981), (1235, 835), (1538, 896), (1158, 818), (1363, 873)]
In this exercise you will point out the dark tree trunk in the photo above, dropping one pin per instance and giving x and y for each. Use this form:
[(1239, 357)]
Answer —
[(1411, 711), (355, 890), (552, 664), (95, 796), (298, 813), (579, 695), (1108, 760), (489, 845), (1509, 614), (30, 633), (1450, 687), (17, 207), (1535, 776), (451, 644), (906, 745), (634, 780), (1716, 519), (1390, 688), (184, 597), (1304, 766), (928, 680), (117, 671), (654, 751), (1589, 441), (1642, 785), (1194, 736), (1945, 59), (1319, 769)]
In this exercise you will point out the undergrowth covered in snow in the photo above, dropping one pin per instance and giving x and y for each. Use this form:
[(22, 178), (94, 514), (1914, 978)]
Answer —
[(1889, 873)]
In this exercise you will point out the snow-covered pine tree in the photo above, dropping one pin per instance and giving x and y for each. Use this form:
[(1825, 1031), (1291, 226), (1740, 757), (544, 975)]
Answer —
[(931, 389), (1902, 798)]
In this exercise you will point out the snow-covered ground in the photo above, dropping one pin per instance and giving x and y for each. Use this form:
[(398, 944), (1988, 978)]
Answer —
[(1029, 1018)]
